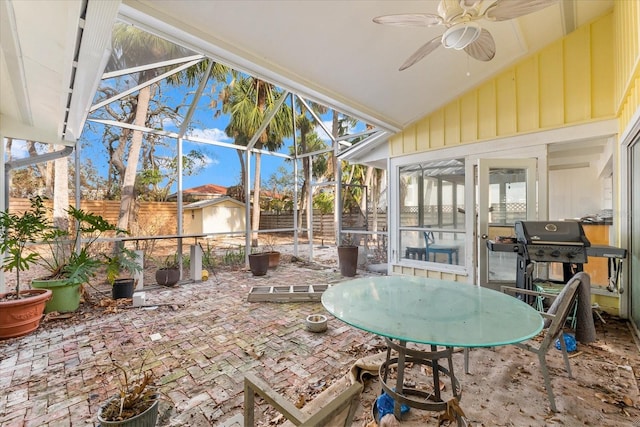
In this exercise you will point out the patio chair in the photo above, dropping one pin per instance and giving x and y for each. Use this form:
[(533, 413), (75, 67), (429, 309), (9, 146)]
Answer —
[(555, 319), (432, 248), (346, 400)]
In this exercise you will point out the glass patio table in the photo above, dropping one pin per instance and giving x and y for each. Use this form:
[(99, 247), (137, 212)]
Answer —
[(408, 309)]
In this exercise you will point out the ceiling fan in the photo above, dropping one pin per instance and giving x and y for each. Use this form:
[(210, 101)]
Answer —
[(463, 32)]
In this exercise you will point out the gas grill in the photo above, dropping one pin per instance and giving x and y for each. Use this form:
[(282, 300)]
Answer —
[(556, 241), (549, 241)]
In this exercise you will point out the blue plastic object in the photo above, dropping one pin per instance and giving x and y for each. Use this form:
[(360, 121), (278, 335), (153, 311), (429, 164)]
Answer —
[(569, 341), (385, 406)]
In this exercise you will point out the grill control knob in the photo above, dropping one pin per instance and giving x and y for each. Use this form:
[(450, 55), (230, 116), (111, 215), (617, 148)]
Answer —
[(570, 255), (555, 254), (539, 252)]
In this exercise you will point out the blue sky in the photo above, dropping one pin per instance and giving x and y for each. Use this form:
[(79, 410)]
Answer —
[(221, 165)]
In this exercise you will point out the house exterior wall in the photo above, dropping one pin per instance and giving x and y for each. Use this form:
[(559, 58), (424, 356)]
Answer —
[(591, 75), (196, 224), (627, 87), (567, 83), (223, 217)]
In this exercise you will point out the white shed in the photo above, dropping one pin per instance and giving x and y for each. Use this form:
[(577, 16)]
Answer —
[(224, 214)]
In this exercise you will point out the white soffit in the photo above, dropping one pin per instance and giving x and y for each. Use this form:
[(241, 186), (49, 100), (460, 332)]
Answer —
[(332, 48)]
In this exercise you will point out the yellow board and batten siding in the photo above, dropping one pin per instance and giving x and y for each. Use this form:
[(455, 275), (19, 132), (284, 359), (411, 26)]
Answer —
[(569, 82)]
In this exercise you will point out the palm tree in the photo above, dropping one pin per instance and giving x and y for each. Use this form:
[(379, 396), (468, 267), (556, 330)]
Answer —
[(308, 141), (248, 100)]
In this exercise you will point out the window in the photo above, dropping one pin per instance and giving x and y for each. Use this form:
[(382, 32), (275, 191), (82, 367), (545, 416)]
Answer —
[(432, 211)]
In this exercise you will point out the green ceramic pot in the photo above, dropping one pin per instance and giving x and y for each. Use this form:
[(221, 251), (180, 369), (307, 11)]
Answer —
[(65, 294)]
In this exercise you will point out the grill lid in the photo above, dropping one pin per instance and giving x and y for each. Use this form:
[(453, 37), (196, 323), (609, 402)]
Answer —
[(568, 233)]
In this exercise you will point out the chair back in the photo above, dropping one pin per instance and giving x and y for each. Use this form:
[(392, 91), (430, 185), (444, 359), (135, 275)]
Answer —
[(429, 239), (559, 311)]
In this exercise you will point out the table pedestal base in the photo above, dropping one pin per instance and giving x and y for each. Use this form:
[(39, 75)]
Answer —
[(413, 397)]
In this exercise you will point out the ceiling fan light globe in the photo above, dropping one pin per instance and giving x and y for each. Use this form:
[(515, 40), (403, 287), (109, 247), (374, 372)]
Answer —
[(461, 35)]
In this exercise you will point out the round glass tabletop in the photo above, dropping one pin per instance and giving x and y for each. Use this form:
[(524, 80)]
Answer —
[(432, 311)]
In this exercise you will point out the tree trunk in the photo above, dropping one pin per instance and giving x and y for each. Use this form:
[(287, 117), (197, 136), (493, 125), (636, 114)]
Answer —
[(61, 193), (255, 222), (9, 176), (129, 180), (243, 172)]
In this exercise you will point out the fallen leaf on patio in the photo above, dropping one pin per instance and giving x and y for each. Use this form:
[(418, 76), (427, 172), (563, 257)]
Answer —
[(277, 420), (601, 396), (256, 354), (627, 401), (54, 315), (452, 413), (389, 420), (301, 401)]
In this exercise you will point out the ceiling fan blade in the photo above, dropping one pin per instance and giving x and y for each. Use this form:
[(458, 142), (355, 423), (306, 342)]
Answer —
[(503, 10), (424, 50), (484, 48), (409, 20)]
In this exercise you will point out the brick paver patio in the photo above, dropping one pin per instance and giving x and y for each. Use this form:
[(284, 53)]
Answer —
[(199, 341), (200, 338)]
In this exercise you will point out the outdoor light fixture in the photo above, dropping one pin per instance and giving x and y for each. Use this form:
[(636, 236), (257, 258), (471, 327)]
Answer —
[(461, 35)]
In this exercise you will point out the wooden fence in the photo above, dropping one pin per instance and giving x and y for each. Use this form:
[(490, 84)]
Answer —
[(159, 218), (152, 218)]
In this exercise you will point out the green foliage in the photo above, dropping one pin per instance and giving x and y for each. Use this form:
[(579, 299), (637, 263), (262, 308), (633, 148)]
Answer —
[(234, 256), (69, 254), (16, 231), (123, 260), (209, 256), (325, 202), (170, 261)]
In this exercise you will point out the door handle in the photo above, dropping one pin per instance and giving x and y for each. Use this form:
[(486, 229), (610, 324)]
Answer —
[(484, 236)]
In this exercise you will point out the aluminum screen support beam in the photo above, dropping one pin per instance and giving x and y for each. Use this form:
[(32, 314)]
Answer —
[(267, 120)]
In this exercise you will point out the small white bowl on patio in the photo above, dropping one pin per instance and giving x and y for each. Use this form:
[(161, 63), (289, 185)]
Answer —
[(316, 323)]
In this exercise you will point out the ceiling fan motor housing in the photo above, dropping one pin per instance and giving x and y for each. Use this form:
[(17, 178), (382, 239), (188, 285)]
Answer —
[(461, 35)]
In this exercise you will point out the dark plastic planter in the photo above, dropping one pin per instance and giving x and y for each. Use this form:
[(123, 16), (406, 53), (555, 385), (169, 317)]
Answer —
[(348, 260), (167, 276), (259, 263), (122, 288)]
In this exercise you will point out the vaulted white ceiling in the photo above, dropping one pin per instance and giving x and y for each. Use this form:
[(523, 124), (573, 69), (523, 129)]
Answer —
[(52, 53)]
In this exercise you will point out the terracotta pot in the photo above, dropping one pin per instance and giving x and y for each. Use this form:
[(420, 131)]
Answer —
[(348, 260), (259, 263), (18, 317), (274, 259), (167, 276)]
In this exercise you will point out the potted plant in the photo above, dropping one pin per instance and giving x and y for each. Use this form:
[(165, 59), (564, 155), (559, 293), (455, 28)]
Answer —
[(70, 262), (21, 310), (259, 263), (136, 403), (348, 256), (169, 272), (126, 260), (274, 255)]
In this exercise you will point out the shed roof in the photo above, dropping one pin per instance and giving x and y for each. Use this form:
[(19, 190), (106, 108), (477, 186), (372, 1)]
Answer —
[(204, 203)]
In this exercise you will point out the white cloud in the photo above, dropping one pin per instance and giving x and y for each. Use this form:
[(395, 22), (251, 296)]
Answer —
[(321, 133), (209, 161), (212, 134), (19, 149)]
